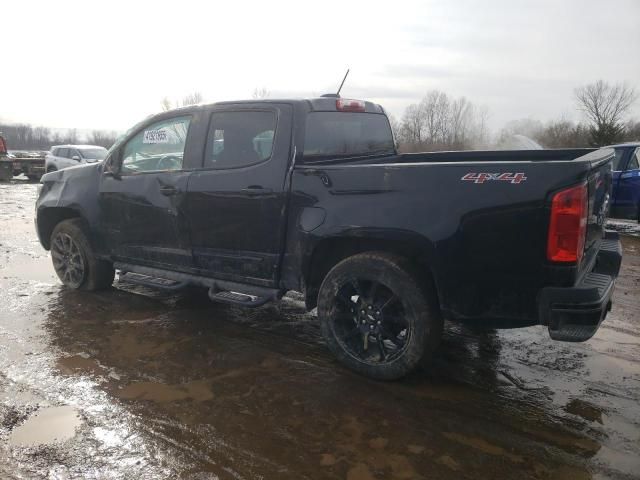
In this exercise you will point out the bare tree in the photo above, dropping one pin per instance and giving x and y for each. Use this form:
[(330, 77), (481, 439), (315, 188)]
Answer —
[(71, 136), (440, 122), (632, 131), (480, 138), (605, 107), (166, 105), (259, 93), (412, 125), (102, 138), (192, 99), (563, 134)]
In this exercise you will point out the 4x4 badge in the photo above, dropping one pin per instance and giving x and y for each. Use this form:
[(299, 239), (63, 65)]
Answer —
[(501, 177)]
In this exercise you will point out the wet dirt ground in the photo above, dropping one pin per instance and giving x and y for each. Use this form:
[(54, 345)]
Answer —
[(131, 383)]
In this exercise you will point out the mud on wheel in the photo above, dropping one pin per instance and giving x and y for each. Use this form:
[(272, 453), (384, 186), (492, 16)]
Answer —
[(74, 261), (378, 315)]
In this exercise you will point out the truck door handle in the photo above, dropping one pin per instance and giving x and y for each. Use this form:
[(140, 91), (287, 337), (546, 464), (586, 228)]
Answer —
[(256, 190), (168, 190)]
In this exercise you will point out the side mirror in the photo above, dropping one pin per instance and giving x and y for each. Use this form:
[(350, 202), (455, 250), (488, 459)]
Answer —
[(76, 158), (110, 167)]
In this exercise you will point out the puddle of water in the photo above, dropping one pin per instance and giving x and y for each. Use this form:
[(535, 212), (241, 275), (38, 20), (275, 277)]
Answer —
[(47, 426), (37, 269), (198, 391), (585, 410), (482, 445), (74, 363)]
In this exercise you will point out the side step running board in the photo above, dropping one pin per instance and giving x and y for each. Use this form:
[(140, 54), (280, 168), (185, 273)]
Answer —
[(237, 298), (152, 282), (219, 290)]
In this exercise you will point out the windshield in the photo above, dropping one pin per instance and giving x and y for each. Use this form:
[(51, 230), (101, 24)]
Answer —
[(94, 153), (331, 135)]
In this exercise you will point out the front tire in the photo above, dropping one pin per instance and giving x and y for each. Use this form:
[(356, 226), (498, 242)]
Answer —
[(74, 260), (378, 315)]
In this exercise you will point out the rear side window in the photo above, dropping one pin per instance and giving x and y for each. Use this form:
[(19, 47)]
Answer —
[(158, 147), (239, 139), (346, 134)]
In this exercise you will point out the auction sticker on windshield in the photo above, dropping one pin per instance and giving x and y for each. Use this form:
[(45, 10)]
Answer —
[(155, 136)]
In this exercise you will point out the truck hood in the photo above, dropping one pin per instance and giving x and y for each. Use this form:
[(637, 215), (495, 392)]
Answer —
[(77, 171)]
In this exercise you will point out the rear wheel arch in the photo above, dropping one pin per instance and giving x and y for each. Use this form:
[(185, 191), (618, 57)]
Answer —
[(331, 251)]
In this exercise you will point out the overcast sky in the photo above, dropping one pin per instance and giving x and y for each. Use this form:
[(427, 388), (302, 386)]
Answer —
[(106, 65)]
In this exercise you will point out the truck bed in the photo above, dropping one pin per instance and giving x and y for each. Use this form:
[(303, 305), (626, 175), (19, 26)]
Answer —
[(480, 218)]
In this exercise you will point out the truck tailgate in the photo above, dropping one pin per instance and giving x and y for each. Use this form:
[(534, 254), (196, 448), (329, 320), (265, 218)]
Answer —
[(599, 188)]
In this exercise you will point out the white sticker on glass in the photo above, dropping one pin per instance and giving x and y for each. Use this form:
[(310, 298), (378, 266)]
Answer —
[(155, 136)]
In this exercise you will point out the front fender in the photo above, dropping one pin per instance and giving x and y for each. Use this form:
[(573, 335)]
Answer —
[(68, 193)]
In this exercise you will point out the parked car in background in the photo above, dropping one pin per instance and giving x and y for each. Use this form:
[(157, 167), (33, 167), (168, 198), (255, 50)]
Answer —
[(63, 156), (625, 196)]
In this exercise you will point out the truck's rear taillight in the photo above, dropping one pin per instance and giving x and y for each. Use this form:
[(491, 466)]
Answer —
[(568, 225), (348, 105)]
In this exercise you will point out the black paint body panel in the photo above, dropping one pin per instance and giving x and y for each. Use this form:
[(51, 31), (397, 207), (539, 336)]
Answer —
[(484, 243)]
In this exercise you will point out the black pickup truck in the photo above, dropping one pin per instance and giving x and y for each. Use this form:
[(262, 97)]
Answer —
[(252, 199)]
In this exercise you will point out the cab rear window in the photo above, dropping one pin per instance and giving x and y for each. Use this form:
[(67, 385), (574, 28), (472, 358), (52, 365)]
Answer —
[(335, 135)]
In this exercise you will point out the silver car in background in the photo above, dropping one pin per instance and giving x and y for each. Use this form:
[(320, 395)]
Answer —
[(64, 156)]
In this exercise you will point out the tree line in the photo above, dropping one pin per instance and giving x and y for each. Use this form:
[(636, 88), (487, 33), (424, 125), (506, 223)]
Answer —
[(442, 122), (22, 136), (437, 122)]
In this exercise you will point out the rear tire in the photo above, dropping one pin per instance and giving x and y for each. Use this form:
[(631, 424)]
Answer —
[(378, 315), (74, 260), (51, 169)]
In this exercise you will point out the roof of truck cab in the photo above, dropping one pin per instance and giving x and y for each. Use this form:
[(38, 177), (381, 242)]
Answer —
[(314, 103)]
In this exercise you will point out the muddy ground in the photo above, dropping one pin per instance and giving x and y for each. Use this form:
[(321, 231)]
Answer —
[(130, 383)]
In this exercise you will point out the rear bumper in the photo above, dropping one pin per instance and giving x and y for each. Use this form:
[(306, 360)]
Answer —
[(574, 314)]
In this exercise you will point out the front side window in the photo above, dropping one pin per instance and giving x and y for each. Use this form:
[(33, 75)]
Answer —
[(63, 152), (239, 139), (157, 147)]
